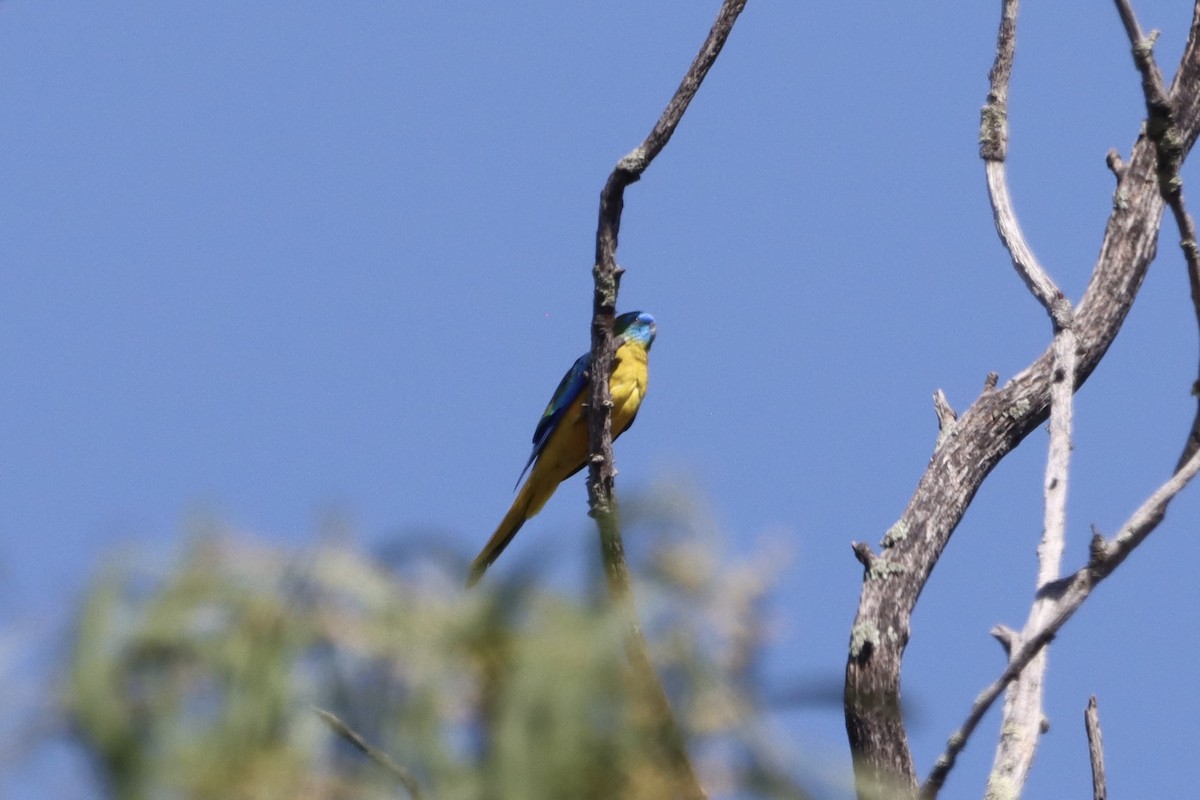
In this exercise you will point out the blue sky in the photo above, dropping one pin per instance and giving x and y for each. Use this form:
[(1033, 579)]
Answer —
[(264, 260)]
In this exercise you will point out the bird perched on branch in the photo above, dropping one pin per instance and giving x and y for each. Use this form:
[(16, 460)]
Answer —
[(560, 443)]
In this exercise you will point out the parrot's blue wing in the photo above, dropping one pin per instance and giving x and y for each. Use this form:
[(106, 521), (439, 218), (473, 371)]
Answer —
[(564, 397)]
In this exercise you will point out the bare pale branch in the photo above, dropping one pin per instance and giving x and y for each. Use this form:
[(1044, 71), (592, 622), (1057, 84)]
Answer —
[(1091, 721), (1023, 259), (993, 149), (1023, 720)]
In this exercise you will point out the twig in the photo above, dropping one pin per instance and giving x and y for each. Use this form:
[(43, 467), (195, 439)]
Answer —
[(946, 415), (1188, 243), (1143, 56), (862, 551), (379, 757), (993, 149), (1068, 595), (1114, 162), (664, 731), (1006, 636), (1091, 721)]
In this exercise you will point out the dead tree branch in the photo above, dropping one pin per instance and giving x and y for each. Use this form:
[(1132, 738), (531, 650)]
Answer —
[(1022, 722), (607, 273), (988, 430), (1091, 721), (993, 149), (663, 734), (1161, 119), (1066, 596)]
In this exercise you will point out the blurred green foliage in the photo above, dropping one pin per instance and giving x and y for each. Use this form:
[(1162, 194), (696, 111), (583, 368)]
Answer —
[(200, 680)]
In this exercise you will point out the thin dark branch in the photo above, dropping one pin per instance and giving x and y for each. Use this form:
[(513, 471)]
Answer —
[(607, 273), (1161, 123), (1191, 253), (1160, 110), (378, 756), (1188, 242), (1091, 721), (1143, 56), (601, 470)]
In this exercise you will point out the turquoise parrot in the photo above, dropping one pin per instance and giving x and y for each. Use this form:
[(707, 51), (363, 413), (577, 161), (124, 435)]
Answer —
[(560, 443)]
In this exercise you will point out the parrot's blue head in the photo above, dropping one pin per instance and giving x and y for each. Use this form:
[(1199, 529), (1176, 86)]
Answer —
[(634, 326)]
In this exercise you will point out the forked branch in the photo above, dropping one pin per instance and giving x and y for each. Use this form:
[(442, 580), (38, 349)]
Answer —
[(1022, 722), (990, 428)]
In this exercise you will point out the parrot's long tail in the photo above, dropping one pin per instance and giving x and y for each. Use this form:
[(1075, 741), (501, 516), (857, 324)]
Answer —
[(525, 506)]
